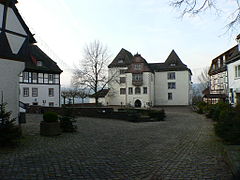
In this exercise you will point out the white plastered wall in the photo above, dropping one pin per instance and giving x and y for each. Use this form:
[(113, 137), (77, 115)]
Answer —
[(9, 83), (182, 93), (234, 83), (43, 98)]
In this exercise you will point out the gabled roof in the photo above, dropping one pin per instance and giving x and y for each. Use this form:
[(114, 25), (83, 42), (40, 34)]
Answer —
[(124, 56), (9, 49), (235, 55), (172, 63), (230, 55), (138, 59), (36, 54), (100, 94)]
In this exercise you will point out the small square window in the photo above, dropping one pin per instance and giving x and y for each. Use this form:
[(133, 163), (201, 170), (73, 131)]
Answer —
[(171, 75), (25, 92), (120, 61), (122, 79), (39, 63), (172, 85), (34, 92), (137, 90), (122, 71)]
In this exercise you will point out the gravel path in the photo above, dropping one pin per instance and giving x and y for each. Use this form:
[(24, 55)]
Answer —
[(182, 147)]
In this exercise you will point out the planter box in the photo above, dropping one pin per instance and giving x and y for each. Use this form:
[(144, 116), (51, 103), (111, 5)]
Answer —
[(50, 128)]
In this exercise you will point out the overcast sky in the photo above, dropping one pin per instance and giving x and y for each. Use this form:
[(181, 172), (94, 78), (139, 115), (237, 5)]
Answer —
[(149, 27)]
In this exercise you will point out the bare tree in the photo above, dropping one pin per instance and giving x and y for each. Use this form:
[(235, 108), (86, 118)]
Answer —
[(194, 7), (92, 73), (82, 94), (73, 93), (204, 79), (64, 94)]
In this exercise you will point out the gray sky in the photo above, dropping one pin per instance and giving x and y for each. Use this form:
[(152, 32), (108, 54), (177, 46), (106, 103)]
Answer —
[(149, 27)]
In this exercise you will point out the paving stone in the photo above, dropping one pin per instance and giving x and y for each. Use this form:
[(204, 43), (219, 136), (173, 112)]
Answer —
[(182, 147)]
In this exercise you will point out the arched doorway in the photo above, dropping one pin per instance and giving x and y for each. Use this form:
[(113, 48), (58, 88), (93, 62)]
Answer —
[(138, 103)]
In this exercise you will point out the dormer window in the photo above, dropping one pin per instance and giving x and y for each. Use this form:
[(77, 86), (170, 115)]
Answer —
[(173, 64), (120, 61), (137, 66), (39, 63)]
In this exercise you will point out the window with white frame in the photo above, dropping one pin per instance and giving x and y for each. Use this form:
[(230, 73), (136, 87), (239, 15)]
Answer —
[(237, 71), (39, 63), (50, 92), (34, 92), (56, 78), (34, 77), (170, 96), (40, 77), (25, 76), (45, 78), (171, 75), (50, 78), (137, 66), (137, 77), (25, 92), (122, 90)]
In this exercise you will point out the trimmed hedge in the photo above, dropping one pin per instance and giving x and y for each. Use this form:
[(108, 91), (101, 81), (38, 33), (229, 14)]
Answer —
[(50, 117)]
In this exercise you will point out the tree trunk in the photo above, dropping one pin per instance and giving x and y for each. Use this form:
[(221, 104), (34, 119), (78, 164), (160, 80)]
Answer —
[(64, 100), (82, 100), (73, 100), (96, 101)]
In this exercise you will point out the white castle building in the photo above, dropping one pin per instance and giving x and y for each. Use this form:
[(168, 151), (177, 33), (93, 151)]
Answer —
[(142, 84)]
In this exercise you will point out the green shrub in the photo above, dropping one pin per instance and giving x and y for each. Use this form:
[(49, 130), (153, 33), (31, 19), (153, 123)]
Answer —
[(201, 107), (66, 124), (210, 110), (158, 115), (228, 127), (50, 117), (9, 133), (218, 108)]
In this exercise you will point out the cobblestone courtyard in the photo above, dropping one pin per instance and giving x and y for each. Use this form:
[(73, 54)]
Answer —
[(182, 147)]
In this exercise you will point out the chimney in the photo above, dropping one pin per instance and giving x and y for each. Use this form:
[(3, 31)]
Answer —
[(238, 41)]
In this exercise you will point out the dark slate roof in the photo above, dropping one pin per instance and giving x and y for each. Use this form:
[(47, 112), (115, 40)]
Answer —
[(234, 56), (137, 58), (231, 55), (36, 54), (167, 65), (124, 55), (102, 93)]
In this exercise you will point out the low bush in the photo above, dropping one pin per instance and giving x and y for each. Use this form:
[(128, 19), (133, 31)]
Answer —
[(157, 115), (10, 134), (201, 107), (66, 124), (228, 126), (50, 117)]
